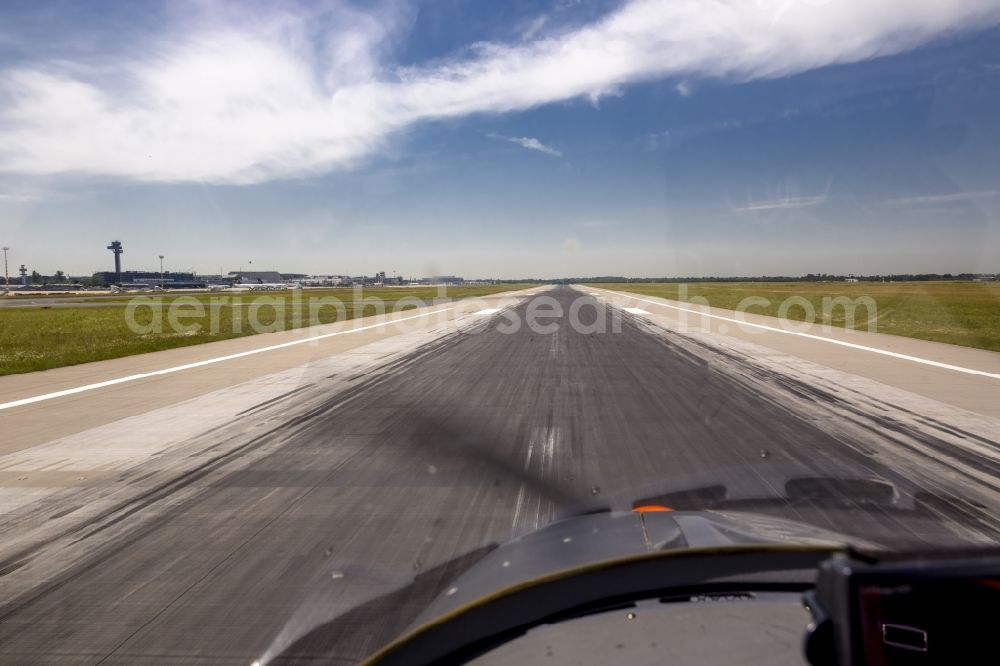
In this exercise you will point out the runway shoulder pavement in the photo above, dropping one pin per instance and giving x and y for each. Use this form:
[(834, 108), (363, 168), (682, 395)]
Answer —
[(958, 376)]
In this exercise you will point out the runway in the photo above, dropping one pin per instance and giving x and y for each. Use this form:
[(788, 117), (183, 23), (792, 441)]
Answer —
[(340, 496)]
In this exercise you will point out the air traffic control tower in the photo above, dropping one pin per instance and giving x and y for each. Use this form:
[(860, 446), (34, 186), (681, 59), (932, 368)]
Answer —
[(116, 247)]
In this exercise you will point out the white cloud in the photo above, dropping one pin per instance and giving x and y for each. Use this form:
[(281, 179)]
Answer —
[(533, 27), (17, 198), (656, 140), (528, 142), (779, 204), (252, 104), (936, 199)]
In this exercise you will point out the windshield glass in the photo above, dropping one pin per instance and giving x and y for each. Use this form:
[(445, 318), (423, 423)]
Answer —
[(311, 309)]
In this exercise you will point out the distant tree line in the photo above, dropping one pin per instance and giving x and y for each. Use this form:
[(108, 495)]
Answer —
[(59, 277), (810, 277)]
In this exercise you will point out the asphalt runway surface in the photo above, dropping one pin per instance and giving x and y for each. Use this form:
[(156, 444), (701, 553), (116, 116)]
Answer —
[(322, 523)]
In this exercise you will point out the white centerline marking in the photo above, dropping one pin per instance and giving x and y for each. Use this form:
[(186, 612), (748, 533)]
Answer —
[(487, 311), (773, 329), (636, 311), (198, 364)]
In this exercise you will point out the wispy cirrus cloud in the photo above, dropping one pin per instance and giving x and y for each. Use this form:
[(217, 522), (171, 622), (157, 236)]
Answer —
[(941, 199), (528, 142), (533, 26), (780, 204), (252, 100), (16, 198)]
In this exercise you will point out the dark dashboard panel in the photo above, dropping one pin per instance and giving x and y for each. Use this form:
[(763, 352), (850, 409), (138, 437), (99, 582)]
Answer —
[(927, 610)]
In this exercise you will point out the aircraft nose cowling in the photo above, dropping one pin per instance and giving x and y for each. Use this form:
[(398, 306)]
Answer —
[(562, 545)]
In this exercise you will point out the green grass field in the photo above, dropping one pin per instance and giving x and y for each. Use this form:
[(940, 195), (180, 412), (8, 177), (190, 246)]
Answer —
[(39, 338), (960, 313)]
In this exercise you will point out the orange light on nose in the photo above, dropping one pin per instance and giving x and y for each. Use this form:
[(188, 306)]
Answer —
[(995, 584), (651, 508)]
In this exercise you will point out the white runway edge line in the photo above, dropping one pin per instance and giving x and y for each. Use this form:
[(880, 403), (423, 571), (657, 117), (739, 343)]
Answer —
[(210, 361), (874, 350)]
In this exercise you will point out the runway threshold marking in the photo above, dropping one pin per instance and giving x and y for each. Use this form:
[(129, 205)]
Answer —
[(811, 336), (636, 311), (210, 361)]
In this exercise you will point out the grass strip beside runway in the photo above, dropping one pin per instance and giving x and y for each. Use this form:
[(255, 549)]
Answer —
[(39, 338), (960, 313)]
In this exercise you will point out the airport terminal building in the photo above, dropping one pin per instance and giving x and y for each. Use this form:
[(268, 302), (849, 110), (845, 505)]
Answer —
[(170, 279), (255, 277)]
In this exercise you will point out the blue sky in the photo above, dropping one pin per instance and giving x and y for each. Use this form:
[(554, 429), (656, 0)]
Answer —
[(522, 139)]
